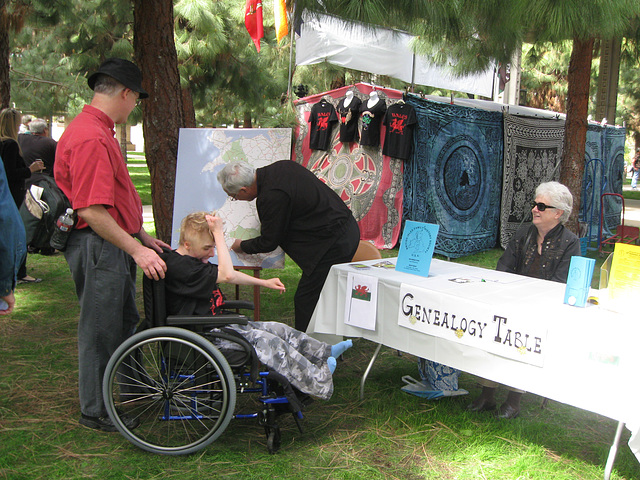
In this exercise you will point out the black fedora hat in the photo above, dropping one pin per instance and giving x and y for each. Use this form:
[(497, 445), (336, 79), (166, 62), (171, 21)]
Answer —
[(124, 71)]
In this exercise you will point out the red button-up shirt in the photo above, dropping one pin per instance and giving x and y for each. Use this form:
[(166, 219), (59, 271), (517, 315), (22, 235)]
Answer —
[(90, 170)]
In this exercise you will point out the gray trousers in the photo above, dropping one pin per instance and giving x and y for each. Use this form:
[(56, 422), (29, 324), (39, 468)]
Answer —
[(105, 279), (295, 355)]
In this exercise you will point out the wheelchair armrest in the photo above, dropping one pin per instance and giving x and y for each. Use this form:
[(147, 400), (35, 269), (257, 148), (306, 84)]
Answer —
[(212, 321), (237, 304)]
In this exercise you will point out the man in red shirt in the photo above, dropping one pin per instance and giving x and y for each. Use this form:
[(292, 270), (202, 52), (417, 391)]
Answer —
[(102, 251)]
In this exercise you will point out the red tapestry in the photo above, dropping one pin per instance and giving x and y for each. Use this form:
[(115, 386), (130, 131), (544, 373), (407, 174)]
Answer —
[(369, 183)]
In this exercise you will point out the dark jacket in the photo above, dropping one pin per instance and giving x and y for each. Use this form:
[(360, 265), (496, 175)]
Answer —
[(558, 246), (299, 213), (17, 170), (36, 147)]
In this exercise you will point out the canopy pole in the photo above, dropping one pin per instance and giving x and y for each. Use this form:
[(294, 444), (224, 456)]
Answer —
[(413, 72), (292, 18)]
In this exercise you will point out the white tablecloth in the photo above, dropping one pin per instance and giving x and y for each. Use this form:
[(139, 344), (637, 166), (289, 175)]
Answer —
[(591, 356)]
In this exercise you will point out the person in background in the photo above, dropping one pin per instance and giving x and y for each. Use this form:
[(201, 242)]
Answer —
[(13, 245), (543, 250), (23, 129), (191, 288), (37, 144), (299, 213), (635, 169), (103, 250), (16, 170)]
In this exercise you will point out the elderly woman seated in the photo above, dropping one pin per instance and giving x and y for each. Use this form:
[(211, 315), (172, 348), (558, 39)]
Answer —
[(543, 250)]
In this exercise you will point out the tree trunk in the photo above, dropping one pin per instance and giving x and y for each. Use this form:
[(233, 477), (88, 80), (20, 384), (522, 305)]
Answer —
[(247, 120), (189, 110), (123, 141), (575, 130), (5, 85), (339, 81), (162, 112), (607, 92)]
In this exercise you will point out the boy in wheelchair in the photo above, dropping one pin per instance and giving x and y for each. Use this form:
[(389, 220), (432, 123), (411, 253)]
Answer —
[(191, 289)]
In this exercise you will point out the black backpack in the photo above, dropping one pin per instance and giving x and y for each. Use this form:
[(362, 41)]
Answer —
[(40, 216)]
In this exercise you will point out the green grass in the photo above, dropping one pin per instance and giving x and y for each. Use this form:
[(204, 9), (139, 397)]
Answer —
[(388, 435), (139, 173), (140, 178)]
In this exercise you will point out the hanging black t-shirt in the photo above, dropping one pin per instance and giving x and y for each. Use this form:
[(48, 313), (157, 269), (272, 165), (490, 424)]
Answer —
[(348, 118), (322, 117), (400, 121), (371, 121)]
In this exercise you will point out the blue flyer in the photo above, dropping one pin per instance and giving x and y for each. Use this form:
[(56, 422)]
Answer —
[(579, 281), (416, 248)]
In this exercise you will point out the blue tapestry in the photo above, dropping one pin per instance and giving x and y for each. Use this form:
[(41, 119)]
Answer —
[(613, 152), (532, 154), (603, 175), (593, 182), (454, 177)]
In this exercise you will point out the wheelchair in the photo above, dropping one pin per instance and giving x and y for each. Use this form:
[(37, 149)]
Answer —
[(170, 390)]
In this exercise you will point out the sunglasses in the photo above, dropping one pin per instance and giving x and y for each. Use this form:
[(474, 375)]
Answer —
[(541, 206)]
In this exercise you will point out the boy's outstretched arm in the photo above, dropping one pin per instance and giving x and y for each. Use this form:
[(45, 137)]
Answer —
[(226, 272)]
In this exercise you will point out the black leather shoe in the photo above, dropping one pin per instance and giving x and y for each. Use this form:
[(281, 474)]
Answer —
[(481, 404), (508, 411), (105, 424)]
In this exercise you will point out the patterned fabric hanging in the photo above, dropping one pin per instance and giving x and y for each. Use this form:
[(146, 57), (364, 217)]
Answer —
[(454, 177), (532, 154), (368, 182)]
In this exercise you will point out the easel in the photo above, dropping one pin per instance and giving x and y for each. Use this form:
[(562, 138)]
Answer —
[(256, 291)]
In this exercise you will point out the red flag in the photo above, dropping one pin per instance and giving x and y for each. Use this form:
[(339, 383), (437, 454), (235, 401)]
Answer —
[(253, 21)]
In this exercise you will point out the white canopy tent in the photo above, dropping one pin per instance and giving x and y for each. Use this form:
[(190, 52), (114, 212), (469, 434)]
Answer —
[(324, 38)]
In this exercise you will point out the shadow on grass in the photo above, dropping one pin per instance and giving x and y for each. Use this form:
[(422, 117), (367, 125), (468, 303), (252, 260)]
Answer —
[(389, 434)]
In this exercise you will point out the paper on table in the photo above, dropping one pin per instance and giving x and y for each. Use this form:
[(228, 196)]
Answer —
[(416, 248), (624, 278), (361, 302)]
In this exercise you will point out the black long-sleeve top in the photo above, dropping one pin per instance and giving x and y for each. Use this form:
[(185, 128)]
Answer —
[(521, 255), (297, 212)]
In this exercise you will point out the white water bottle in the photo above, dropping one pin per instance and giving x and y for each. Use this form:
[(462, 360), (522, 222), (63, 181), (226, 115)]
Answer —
[(64, 225)]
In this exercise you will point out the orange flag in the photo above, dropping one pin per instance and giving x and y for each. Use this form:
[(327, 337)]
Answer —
[(253, 21), (280, 15)]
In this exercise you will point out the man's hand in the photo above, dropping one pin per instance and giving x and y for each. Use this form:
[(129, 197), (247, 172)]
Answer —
[(236, 246), (146, 258), (151, 242), (149, 261)]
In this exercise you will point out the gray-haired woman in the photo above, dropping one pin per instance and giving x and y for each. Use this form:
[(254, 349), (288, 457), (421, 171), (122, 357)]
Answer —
[(540, 250)]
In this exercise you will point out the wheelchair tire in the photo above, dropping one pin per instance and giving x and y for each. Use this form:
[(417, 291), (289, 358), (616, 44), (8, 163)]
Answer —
[(175, 384), (273, 439)]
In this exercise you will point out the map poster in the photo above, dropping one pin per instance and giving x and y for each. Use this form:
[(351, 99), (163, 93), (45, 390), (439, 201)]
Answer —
[(416, 247), (202, 153)]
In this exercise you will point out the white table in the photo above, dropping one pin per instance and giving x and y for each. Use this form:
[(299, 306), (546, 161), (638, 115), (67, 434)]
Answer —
[(588, 349)]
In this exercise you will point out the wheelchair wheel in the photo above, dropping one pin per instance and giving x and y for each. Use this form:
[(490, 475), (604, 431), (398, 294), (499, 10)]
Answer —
[(273, 439), (176, 384)]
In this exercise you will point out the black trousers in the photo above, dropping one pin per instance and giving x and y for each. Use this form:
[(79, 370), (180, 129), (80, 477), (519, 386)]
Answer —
[(310, 285)]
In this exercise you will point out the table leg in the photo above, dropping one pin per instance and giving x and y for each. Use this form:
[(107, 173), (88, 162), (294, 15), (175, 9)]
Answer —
[(613, 451), (366, 372)]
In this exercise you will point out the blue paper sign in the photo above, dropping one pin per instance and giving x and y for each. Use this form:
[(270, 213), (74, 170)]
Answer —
[(579, 281), (416, 248)]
